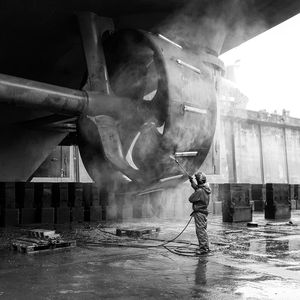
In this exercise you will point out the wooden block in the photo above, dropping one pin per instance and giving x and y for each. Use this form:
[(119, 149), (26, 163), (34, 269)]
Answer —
[(77, 214), (259, 205), (87, 194), (137, 208), (64, 195), (10, 195), (55, 199), (28, 215), (127, 212), (20, 191), (258, 193), (47, 215), (278, 204), (242, 214), (291, 191), (96, 213), (217, 208), (279, 212), (2, 196), (214, 192), (104, 197), (252, 205), (78, 195), (236, 202), (29, 195), (147, 210), (210, 207), (63, 215), (10, 217), (47, 195), (111, 212), (95, 196)]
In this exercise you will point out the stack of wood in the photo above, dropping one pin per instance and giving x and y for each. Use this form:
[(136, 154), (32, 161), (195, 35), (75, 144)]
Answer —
[(41, 240)]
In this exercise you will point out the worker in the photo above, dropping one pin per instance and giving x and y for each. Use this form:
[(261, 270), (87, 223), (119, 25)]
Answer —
[(200, 199)]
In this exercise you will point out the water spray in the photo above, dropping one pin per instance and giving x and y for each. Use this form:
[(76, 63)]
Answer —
[(177, 162)]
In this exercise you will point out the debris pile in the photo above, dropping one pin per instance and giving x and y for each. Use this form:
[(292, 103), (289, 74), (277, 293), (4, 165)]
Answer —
[(41, 240)]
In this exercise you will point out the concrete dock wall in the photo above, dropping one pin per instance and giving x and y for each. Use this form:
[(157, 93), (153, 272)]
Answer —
[(274, 155), (247, 152), (258, 148), (293, 155)]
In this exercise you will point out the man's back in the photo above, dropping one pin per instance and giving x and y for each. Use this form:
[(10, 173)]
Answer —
[(200, 199)]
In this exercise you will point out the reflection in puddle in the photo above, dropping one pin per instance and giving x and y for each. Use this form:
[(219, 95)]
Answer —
[(277, 246), (200, 272), (271, 289)]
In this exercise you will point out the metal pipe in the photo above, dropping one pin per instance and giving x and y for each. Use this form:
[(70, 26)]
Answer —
[(169, 41), (186, 153), (21, 92), (194, 109), (180, 62), (33, 94)]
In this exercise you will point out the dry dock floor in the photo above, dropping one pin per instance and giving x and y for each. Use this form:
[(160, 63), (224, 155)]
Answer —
[(245, 263)]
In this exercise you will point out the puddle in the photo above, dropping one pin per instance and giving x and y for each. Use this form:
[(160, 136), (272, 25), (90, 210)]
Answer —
[(95, 263), (64, 292)]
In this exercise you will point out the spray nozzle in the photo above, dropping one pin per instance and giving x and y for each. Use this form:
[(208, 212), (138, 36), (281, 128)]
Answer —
[(173, 157)]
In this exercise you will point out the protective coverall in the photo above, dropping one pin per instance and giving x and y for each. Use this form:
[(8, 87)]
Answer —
[(200, 200)]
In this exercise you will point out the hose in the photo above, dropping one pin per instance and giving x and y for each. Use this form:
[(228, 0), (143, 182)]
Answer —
[(178, 235), (173, 249)]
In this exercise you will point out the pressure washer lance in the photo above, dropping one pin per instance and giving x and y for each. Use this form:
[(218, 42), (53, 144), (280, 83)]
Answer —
[(177, 162)]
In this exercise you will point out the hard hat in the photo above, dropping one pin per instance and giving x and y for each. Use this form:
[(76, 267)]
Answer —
[(200, 177)]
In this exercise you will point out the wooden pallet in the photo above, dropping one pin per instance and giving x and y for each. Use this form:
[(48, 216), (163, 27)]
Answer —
[(31, 246), (42, 233), (137, 232)]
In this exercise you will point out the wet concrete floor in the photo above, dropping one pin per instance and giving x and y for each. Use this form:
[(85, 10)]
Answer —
[(245, 263)]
